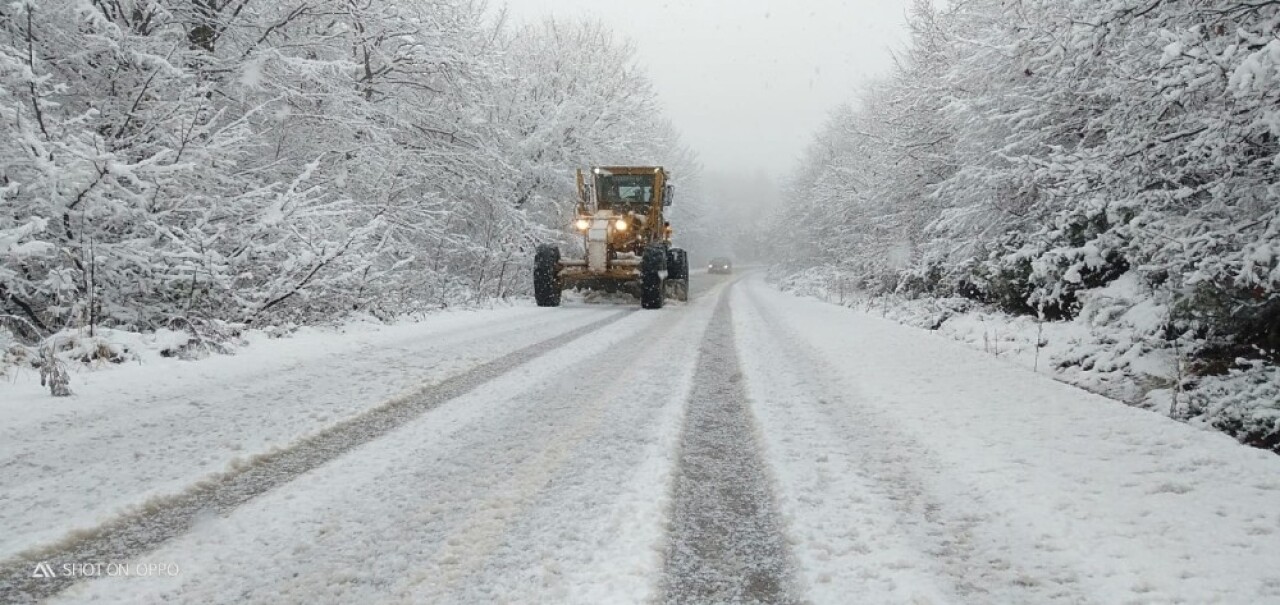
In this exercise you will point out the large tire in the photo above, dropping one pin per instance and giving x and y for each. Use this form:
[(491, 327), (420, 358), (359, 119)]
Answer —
[(652, 265), (678, 289), (677, 264), (678, 274), (546, 276)]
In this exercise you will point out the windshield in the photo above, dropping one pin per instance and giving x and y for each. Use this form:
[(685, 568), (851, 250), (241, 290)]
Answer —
[(625, 188)]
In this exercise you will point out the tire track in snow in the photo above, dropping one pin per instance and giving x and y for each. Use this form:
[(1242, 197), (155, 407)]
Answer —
[(132, 535), (579, 522), (577, 414), (726, 534), (157, 429), (969, 552)]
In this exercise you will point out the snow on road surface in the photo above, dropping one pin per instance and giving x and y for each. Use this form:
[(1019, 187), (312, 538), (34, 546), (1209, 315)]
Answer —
[(913, 469), (543, 485), (904, 468), (726, 540), (139, 432)]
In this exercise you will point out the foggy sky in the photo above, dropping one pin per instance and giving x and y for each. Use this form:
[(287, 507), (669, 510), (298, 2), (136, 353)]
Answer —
[(748, 82)]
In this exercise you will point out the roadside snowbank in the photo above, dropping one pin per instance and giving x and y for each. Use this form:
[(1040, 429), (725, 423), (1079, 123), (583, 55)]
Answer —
[(1114, 347), (84, 352)]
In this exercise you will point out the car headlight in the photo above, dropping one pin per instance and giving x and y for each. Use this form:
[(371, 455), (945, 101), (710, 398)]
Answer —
[(620, 224), (582, 224)]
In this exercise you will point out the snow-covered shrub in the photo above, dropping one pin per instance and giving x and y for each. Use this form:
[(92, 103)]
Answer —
[(103, 346), (815, 281), (198, 339), (1244, 402), (53, 374)]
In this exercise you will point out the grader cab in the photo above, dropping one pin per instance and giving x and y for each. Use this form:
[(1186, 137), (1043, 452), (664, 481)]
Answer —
[(626, 239)]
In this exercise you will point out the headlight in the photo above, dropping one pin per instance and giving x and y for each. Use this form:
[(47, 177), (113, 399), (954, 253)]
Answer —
[(582, 224), (620, 224)]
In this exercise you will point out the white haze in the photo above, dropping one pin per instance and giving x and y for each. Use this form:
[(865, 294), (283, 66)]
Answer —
[(748, 82)]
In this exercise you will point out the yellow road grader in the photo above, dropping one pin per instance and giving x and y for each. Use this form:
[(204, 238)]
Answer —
[(626, 239)]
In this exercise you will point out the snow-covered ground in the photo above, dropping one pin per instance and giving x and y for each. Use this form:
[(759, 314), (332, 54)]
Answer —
[(906, 467), (1115, 347), (543, 485), (149, 429), (913, 467)]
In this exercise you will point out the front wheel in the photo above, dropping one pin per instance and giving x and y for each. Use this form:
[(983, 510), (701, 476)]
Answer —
[(652, 265), (546, 276)]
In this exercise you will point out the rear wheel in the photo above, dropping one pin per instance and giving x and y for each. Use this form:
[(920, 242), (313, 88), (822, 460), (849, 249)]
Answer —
[(678, 274), (546, 278), (677, 264), (678, 289), (652, 264)]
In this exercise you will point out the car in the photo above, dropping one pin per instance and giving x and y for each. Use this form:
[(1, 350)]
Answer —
[(720, 264)]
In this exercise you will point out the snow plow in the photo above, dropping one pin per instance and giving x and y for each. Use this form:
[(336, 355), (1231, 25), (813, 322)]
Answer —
[(626, 241)]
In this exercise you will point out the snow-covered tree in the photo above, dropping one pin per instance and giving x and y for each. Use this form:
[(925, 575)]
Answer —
[(184, 163), (1026, 153)]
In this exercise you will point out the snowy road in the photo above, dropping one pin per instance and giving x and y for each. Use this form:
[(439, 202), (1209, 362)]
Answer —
[(747, 445)]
